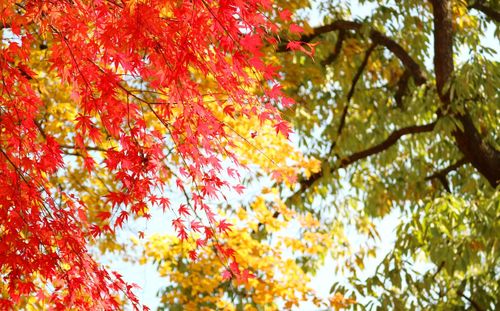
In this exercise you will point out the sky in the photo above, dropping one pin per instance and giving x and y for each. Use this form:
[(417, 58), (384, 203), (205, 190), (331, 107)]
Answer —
[(150, 282)]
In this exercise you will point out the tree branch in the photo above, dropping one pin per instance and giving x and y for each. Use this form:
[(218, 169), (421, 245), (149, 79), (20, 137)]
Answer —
[(4, 26), (486, 10), (63, 146), (448, 169), (401, 88), (377, 37), (355, 80), (441, 266), (390, 141), (92, 148), (474, 304), (484, 157), (441, 174), (443, 47)]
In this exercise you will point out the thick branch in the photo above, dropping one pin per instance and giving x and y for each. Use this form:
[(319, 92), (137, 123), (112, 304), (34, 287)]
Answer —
[(390, 141), (377, 37), (484, 157), (487, 10), (443, 47)]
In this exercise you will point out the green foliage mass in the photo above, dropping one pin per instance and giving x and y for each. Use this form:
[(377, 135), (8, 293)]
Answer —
[(402, 107)]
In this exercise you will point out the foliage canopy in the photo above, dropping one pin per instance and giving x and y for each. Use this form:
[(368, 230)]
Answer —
[(109, 108)]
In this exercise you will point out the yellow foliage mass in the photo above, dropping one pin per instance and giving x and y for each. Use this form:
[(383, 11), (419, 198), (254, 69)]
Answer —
[(279, 283)]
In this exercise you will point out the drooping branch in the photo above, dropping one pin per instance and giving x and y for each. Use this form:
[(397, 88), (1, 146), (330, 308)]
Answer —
[(486, 10), (337, 49), (384, 145), (484, 157), (376, 37), (402, 87)]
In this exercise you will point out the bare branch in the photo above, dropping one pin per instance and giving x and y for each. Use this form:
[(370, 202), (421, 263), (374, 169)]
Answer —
[(448, 169), (391, 140), (92, 148)]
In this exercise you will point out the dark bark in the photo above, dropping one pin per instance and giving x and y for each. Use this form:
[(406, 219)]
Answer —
[(443, 47), (489, 11), (402, 88), (484, 157)]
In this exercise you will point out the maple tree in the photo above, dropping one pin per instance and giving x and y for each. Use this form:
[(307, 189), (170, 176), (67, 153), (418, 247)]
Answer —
[(105, 107)]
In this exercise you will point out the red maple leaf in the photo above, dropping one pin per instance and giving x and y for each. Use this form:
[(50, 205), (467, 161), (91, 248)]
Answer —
[(224, 226), (183, 210), (294, 28)]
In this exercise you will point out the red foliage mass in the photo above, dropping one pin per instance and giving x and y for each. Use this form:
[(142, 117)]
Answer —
[(98, 47)]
